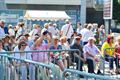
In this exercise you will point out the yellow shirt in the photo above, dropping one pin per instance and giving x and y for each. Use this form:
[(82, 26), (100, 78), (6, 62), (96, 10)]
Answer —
[(110, 52)]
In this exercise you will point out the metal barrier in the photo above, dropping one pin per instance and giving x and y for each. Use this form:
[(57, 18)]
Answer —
[(25, 69), (87, 76), (29, 53)]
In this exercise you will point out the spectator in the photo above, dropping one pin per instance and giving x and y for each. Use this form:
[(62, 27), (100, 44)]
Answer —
[(108, 53), (117, 54), (75, 55), (40, 56), (67, 30), (2, 32), (85, 31), (22, 46), (6, 45), (20, 30), (79, 27), (57, 56), (11, 30), (90, 54)]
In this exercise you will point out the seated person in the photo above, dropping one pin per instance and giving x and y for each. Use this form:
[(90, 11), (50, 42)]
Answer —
[(91, 53), (109, 53), (75, 55), (57, 56)]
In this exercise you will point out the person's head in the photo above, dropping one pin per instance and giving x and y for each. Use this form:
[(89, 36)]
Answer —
[(22, 38), (2, 23), (21, 24), (78, 24), (38, 26), (55, 40), (7, 38), (10, 26), (34, 26), (91, 40), (110, 39), (26, 35), (95, 25), (55, 25), (63, 39), (67, 21), (80, 35), (85, 25), (50, 24), (22, 45), (89, 26), (46, 25), (77, 39)]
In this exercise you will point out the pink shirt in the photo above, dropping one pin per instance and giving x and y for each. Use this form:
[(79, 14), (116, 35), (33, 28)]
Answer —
[(40, 56)]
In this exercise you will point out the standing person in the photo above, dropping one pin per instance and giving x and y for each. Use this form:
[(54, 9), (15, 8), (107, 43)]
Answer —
[(36, 30), (21, 30), (102, 34), (90, 54), (53, 29), (11, 30), (21, 66), (86, 33), (2, 32), (79, 27), (46, 25), (67, 30)]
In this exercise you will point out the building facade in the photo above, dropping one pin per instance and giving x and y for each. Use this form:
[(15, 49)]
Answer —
[(72, 7)]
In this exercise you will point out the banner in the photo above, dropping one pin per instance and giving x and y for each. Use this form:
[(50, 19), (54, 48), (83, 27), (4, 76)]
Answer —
[(108, 9)]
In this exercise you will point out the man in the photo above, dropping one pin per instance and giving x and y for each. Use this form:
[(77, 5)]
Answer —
[(91, 53), (86, 33), (75, 55), (67, 30), (2, 32)]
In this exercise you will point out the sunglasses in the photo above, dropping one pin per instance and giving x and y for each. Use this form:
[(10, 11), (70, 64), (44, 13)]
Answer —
[(77, 38), (23, 45)]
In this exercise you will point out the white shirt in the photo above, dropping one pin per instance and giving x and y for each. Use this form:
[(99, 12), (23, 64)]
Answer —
[(53, 31), (2, 33), (25, 56), (65, 29), (86, 34), (11, 32), (90, 49)]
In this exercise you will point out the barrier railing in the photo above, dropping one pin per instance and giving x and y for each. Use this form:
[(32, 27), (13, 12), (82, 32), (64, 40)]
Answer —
[(29, 53), (25, 69), (87, 76)]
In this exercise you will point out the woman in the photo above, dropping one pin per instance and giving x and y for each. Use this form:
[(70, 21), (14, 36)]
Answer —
[(65, 46), (108, 52), (40, 56), (22, 66), (56, 56)]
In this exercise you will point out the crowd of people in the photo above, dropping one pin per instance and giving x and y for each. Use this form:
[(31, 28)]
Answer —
[(86, 38)]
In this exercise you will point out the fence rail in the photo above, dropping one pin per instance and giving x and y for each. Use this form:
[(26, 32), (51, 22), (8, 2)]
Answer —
[(87, 76)]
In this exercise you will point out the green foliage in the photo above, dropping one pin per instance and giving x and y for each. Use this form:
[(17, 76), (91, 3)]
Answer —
[(116, 11)]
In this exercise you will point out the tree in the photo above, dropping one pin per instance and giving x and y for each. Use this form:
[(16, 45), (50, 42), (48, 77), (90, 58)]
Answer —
[(116, 11)]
